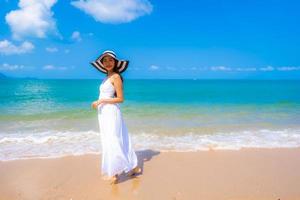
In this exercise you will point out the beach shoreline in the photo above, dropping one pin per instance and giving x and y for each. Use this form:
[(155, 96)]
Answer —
[(249, 173)]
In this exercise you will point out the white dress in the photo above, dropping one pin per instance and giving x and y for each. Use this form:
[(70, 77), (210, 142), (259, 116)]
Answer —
[(117, 152)]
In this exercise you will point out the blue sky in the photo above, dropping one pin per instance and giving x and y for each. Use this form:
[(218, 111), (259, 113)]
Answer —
[(209, 39)]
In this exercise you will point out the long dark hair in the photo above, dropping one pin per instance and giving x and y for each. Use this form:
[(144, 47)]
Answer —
[(116, 71)]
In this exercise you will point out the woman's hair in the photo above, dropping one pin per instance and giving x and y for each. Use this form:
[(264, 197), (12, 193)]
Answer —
[(116, 71)]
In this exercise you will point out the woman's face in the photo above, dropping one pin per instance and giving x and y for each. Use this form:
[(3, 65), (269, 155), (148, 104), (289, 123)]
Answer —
[(108, 62)]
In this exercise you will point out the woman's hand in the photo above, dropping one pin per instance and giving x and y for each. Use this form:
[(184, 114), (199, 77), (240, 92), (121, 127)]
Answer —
[(96, 103)]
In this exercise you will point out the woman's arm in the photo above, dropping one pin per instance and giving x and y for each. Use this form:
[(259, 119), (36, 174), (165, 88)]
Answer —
[(117, 82)]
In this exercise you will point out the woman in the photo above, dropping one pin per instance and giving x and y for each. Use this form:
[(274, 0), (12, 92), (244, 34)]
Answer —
[(117, 152)]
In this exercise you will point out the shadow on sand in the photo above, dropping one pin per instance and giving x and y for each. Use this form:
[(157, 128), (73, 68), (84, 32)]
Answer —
[(142, 156)]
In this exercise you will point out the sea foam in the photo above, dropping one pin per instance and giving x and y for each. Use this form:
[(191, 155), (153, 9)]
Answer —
[(56, 144)]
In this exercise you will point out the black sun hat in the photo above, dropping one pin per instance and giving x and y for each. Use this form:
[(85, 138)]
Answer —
[(121, 64)]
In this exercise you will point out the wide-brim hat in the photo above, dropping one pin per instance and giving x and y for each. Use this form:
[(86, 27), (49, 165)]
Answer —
[(121, 64)]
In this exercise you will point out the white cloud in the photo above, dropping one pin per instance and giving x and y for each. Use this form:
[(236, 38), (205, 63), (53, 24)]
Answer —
[(220, 68), (288, 68), (7, 67), (203, 68), (154, 67), (114, 11), (51, 67), (33, 18), (246, 69), (51, 49), (8, 48), (76, 36), (268, 68), (224, 68), (48, 67)]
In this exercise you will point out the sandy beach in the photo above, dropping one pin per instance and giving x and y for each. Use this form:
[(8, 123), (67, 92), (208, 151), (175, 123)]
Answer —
[(217, 174)]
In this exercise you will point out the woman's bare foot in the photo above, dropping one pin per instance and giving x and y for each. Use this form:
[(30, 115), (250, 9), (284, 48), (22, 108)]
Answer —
[(134, 171), (114, 179)]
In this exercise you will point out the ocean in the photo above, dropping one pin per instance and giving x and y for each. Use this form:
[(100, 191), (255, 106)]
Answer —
[(53, 118)]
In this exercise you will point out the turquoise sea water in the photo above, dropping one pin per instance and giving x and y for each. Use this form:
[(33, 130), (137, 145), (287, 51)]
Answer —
[(54, 117)]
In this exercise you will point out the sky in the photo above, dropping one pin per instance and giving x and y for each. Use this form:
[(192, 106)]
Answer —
[(203, 39)]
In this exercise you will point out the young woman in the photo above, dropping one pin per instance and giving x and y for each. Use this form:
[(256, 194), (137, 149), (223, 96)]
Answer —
[(118, 155)]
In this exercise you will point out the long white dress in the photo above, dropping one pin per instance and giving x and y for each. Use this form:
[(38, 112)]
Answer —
[(117, 152)]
